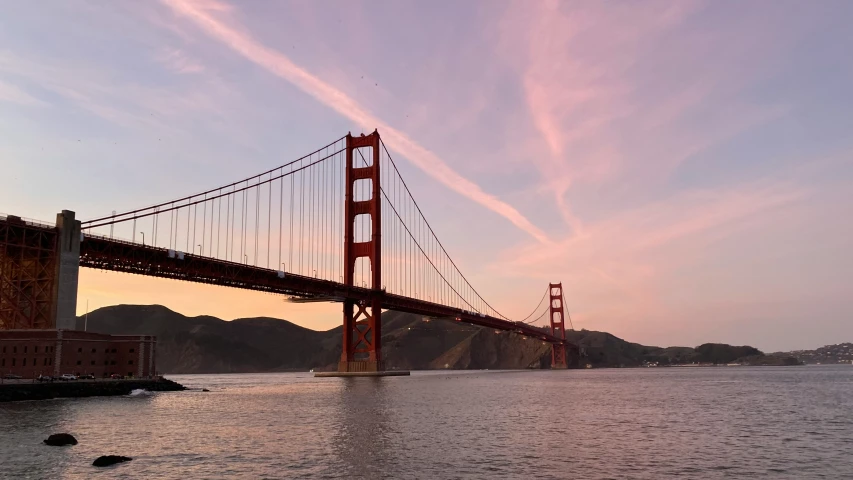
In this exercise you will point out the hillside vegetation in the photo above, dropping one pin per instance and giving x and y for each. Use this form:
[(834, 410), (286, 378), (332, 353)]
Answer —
[(208, 344)]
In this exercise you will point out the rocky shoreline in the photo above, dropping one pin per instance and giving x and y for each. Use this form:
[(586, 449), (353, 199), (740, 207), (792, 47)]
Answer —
[(101, 388)]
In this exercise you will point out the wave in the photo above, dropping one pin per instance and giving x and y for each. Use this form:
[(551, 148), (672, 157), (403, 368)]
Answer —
[(140, 392)]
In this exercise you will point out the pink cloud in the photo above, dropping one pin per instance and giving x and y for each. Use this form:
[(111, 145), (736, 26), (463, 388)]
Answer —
[(622, 268), (613, 100), (278, 64)]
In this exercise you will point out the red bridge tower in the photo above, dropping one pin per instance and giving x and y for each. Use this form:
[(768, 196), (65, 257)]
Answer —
[(558, 327), (362, 320)]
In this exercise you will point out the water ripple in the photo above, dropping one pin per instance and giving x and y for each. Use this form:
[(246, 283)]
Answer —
[(638, 424)]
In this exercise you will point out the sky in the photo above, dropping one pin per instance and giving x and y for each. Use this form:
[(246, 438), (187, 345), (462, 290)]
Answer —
[(684, 168)]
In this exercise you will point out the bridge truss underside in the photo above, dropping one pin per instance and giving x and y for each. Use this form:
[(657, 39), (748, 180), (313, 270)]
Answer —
[(28, 266)]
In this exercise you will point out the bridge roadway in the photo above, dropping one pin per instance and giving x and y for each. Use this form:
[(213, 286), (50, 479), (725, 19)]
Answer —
[(122, 256)]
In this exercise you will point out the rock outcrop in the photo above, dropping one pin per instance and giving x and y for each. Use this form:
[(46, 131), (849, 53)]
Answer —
[(107, 460), (60, 440), (11, 392)]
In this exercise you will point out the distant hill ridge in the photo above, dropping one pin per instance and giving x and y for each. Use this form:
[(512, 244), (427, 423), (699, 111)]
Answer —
[(207, 344), (838, 353)]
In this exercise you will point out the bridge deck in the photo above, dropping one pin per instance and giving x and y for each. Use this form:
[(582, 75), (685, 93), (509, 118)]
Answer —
[(121, 256)]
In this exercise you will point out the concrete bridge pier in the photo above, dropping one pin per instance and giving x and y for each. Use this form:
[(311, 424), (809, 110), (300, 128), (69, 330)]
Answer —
[(67, 271)]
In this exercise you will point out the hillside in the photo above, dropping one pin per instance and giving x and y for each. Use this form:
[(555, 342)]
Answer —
[(210, 345), (207, 344), (827, 354), (605, 350)]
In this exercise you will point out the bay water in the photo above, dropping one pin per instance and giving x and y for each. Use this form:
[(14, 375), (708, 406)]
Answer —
[(715, 422)]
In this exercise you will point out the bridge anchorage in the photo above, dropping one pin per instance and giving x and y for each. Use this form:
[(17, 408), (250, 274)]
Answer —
[(337, 225)]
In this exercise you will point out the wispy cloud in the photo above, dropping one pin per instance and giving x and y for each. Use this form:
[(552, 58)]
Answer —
[(684, 162), (90, 89), (178, 61), (202, 13), (625, 265), (613, 100), (11, 93), (115, 98)]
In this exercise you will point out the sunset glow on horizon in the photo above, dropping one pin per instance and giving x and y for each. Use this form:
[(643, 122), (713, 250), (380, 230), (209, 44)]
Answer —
[(683, 167)]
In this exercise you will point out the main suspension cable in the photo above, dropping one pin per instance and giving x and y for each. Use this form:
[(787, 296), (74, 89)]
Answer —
[(537, 306), (403, 181)]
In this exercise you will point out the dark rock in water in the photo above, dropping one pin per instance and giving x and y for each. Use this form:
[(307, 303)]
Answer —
[(205, 390), (60, 440), (43, 391), (107, 460)]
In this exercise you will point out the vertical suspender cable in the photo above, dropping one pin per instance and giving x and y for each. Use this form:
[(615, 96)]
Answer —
[(219, 226), (290, 242), (269, 219), (301, 216), (257, 219), (280, 215), (203, 226), (172, 221)]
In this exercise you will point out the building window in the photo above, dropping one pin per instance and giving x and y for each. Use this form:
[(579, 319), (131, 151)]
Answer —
[(79, 362), (93, 362), (4, 349), (130, 362), (14, 349), (106, 362), (50, 361), (3, 364), (45, 362), (93, 351), (132, 350), (25, 349), (25, 363), (37, 349), (80, 350), (114, 350), (113, 362), (13, 362)]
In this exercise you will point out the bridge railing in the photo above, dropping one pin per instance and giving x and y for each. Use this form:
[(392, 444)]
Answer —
[(27, 221)]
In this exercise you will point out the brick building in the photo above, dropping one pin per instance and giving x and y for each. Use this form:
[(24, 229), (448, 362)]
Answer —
[(30, 353)]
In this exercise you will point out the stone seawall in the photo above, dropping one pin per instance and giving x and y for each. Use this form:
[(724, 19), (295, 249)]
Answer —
[(100, 388)]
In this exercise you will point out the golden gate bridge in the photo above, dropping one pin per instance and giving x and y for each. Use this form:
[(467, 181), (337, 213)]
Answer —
[(336, 225)]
